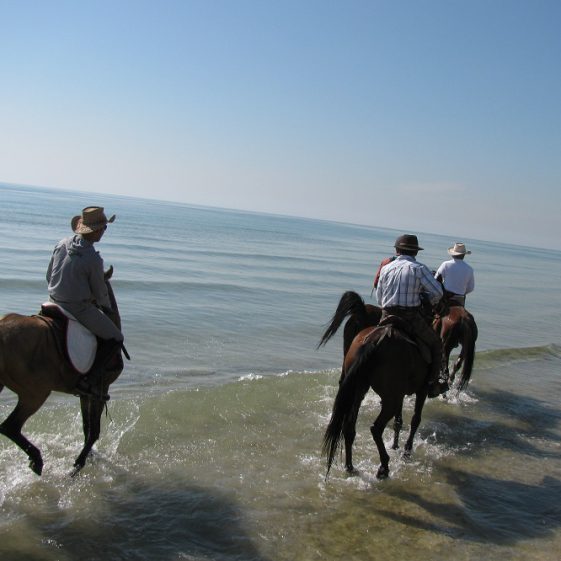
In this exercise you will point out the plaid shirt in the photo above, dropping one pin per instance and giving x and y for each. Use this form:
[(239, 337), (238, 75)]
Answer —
[(403, 280)]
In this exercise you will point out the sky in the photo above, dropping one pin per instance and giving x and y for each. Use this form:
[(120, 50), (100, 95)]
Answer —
[(437, 116)]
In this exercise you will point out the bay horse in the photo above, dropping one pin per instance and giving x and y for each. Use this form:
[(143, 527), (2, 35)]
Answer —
[(32, 366), (381, 358), (457, 327)]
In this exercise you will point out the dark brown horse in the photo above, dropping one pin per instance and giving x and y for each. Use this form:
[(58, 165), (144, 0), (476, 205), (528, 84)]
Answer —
[(381, 358), (455, 328), (32, 366)]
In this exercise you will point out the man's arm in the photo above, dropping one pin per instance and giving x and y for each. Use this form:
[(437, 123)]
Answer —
[(97, 282), (431, 285), (384, 262)]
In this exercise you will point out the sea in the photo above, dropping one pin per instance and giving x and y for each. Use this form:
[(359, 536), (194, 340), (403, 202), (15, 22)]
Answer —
[(211, 444)]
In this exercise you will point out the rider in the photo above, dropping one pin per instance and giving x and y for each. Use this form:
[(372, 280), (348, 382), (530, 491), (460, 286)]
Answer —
[(456, 275), (76, 282), (400, 286)]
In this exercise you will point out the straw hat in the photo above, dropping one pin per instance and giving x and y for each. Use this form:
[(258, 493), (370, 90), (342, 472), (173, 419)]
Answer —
[(408, 242), (92, 219), (458, 249)]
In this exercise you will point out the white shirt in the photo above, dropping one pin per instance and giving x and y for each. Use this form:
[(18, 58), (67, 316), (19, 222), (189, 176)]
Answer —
[(457, 276)]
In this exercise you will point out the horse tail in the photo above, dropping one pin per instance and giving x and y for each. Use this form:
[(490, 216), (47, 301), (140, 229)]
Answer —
[(468, 348), (350, 304), (352, 390)]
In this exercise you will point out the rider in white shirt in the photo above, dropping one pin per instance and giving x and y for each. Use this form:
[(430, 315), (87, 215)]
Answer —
[(456, 275)]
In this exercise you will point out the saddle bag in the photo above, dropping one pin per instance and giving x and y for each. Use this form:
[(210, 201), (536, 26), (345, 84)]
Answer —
[(77, 343)]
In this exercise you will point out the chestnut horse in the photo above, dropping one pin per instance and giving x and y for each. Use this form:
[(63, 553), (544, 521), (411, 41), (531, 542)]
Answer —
[(455, 328), (32, 366), (381, 358)]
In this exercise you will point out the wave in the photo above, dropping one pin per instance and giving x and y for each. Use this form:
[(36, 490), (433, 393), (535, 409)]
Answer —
[(22, 284), (495, 357)]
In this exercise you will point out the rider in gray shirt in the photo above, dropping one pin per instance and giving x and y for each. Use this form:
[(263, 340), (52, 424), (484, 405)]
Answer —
[(75, 274), (77, 284)]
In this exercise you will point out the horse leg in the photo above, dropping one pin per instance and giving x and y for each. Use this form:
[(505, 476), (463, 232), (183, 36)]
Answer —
[(397, 426), (415, 421), (457, 366), (12, 426), (91, 422), (377, 430), (445, 362)]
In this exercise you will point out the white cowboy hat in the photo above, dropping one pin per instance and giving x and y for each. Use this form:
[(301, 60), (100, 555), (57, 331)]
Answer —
[(458, 249), (92, 219)]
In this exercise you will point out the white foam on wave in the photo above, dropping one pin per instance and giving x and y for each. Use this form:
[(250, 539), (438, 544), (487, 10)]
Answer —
[(250, 377)]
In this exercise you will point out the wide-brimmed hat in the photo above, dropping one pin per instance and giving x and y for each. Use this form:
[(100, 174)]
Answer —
[(458, 249), (408, 242), (92, 219)]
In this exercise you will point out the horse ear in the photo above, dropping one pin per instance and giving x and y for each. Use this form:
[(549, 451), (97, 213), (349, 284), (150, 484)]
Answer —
[(109, 273)]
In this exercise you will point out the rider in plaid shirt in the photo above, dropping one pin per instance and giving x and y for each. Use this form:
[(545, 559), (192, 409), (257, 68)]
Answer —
[(399, 289)]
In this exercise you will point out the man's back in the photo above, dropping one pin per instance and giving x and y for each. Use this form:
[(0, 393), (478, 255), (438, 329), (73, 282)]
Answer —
[(457, 276), (403, 280)]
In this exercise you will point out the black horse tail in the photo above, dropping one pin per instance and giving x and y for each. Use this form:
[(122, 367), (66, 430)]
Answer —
[(350, 304), (351, 392), (468, 348)]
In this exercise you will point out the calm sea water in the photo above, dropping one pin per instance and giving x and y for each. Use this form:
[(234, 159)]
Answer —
[(211, 449)]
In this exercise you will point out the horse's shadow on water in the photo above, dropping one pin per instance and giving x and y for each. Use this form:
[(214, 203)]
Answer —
[(536, 426), (491, 510), (159, 520), (523, 408)]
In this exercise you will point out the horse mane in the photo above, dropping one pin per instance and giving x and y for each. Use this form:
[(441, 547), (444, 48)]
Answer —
[(350, 303)]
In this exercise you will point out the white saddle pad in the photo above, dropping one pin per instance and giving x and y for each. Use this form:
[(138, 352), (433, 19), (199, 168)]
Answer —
[(81, 343)]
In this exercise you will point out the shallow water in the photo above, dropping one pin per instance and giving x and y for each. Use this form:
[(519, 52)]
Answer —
[(211, 447)]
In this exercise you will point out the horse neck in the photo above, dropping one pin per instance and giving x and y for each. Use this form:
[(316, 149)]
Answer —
[(114, 315)]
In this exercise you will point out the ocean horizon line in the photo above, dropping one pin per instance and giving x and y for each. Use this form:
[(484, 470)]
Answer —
[(160, 201)]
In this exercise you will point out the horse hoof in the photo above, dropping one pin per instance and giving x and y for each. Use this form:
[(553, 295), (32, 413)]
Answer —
[(383, 472), (351, 470), (36, 466)]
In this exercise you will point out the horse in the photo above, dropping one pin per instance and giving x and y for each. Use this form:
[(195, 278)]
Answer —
[(457, 327), (384, 359), (360, 316), (32, 366)]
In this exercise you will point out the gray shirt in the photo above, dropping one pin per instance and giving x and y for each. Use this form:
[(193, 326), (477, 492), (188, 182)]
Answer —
[(75, 273)]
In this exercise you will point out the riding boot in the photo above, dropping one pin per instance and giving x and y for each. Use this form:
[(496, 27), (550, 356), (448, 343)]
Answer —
[(92, 383)]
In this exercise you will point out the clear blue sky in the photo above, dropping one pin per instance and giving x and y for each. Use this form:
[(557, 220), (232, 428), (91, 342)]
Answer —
[(425, 116)]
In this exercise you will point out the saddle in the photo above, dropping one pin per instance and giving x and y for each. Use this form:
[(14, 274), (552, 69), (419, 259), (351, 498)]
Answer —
[(403, 328), (77, 343), (453, 299)]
